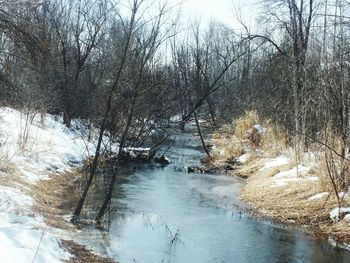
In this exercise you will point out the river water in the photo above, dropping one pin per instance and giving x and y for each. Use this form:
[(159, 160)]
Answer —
[(163, 214)]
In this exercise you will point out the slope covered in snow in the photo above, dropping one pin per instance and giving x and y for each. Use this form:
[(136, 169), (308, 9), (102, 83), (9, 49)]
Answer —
[(31, 150)]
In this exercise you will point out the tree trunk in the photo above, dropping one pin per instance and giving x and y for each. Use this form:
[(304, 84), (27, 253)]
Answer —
[(93, 167), (108, 196), (201, 135), (66, 119), (114, 175)]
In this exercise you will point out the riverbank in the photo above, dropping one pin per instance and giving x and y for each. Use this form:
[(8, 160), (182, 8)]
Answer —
[(282, 193), (38, 160), (283, 184)]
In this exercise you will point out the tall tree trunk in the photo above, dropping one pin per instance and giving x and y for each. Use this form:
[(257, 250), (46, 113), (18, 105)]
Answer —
[(201, 135), (94, 164), (108, 197), (109, 194)]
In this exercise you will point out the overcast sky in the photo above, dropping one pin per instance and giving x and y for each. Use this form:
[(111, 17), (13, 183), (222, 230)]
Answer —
[(221, 10)]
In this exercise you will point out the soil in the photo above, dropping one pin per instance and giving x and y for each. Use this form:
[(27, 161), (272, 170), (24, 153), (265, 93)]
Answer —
[(83, 255)]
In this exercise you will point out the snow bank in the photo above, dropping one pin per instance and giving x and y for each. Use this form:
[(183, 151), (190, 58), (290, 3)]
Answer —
[(278, 161), (297, 171), (19, 244), (347, 218), (297, 174), (318, 196), (35, 151), (38, 149), (21, 231), (334, 214), (244, 158)]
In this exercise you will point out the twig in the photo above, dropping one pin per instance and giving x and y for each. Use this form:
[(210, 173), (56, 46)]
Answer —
[(42, 236)]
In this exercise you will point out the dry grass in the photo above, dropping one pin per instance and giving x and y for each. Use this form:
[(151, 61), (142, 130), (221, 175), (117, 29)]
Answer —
[(83, 255), (289, 202), (339, 231), (227, 146), (250, 167), (56, 197), (273, 142), (231, 140), (244, 123)]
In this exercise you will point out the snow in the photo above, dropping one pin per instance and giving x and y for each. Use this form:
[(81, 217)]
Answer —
[(297, 171), (278, 161), (51, 147), (318, 196), (343, 195), (260, 129), (334, 214), (138, 149), (176, 118), (34, 151), (20, 232), (243, 158), (297, 174), (347, 218), (19, 244)]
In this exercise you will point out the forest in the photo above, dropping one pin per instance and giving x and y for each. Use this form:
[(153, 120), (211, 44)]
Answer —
[(104, 61)]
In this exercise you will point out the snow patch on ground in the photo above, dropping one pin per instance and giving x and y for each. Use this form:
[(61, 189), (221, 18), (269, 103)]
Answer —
[(334, 213), (318, 196), (19, 244), (278, 161), (347, 218), (244, 158), (297, 174), (343, 195), (21, 231), (260, 129), (35, 150)]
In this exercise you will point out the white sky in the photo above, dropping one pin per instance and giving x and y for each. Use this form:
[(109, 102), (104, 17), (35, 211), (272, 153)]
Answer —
[(221, 10), (207, 10)]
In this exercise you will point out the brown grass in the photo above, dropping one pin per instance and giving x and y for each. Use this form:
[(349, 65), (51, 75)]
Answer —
[(244, 123), (56, 197), (231, 142), (83, 255), (339, 231), (273, 142), (289, 202), (227, 146)]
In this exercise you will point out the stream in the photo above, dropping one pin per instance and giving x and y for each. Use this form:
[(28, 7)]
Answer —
[(163, 214)]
